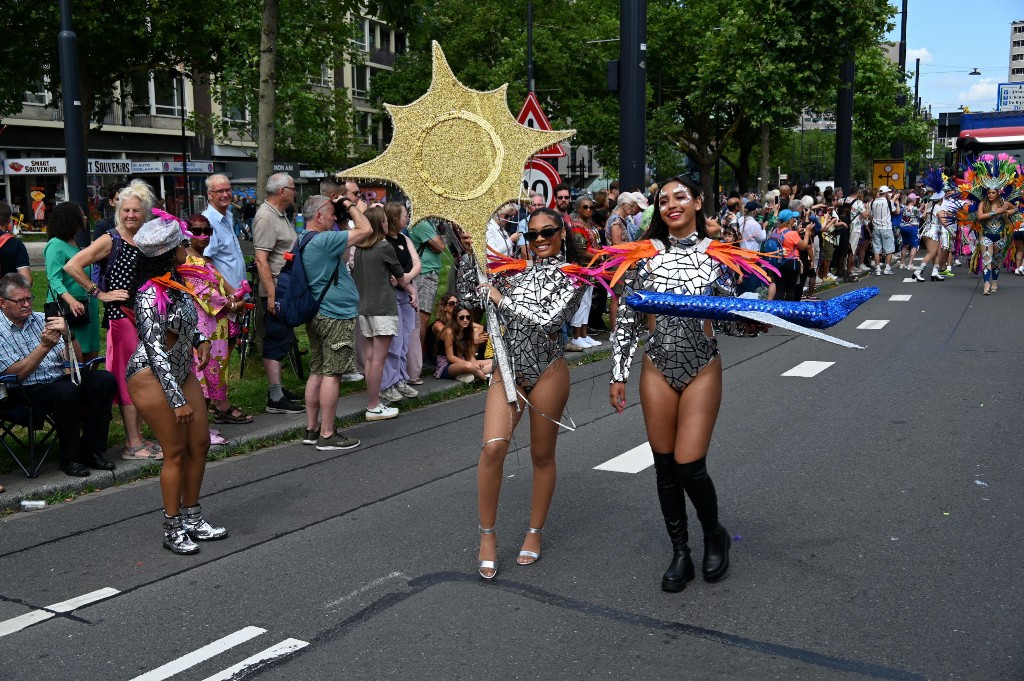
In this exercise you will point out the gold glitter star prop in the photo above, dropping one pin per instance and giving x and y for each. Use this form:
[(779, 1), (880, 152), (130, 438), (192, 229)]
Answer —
[(457, 153)]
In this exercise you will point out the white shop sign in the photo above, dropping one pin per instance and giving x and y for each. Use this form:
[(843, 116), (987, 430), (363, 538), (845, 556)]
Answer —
[(35, 166), (107, 166)]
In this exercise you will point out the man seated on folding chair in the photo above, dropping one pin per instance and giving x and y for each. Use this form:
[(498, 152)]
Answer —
[(33, 347)]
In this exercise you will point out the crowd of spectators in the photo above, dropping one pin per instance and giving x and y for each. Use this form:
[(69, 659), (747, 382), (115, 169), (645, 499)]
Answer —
[(382, 317)]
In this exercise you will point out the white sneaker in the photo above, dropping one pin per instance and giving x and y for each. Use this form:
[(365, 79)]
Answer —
[(830, 277), (351, 378), (878, 271), (593, 341), (381, 413), (888, 270), (1019, 270), (406, 390), (863, 268), (956, 263), (465, 378), (392, 394)]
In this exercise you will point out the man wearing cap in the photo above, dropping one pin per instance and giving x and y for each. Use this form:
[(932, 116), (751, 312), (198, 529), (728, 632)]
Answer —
[(883, 242), (642, 219)]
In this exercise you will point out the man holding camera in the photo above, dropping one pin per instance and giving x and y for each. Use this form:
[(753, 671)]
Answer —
[(33, 347)]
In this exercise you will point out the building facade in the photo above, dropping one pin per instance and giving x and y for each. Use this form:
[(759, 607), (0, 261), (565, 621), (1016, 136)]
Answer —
[(143, 135), (1016, 66)]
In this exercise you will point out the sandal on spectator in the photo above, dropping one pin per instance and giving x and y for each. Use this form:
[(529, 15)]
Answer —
[(415, 381), (152, 445), (136, 453), (232, 414)]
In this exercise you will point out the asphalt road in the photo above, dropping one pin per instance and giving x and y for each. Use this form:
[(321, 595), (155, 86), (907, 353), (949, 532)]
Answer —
[(875, 509)]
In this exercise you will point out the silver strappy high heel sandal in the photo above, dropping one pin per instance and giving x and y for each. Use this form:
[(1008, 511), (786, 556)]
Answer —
[(491, 565), (533, 555)]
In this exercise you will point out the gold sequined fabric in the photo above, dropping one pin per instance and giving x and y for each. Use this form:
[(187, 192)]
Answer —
[(457, 153)]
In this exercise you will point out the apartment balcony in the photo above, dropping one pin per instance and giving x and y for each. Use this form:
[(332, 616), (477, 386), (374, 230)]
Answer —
[(382, 57)]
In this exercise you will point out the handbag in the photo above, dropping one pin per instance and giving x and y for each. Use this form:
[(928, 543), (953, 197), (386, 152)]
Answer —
[(58, 309)]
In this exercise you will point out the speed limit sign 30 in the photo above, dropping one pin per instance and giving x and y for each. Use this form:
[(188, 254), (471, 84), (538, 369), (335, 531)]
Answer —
[(541, 177)]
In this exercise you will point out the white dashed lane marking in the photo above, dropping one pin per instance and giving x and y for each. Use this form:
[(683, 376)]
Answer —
[(205, 653), (873, 324), (285, 647), (899, 298), (808, 369), (34, 617), (635, 460), (909, 280)]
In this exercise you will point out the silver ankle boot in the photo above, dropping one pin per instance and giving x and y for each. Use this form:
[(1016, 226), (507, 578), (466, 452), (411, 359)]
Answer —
[(197, 526), (176, 539)]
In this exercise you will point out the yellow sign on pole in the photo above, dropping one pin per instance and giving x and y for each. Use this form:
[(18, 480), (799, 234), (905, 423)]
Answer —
[(892, 173)]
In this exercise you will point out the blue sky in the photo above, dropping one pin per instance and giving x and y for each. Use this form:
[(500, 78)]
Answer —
[(951, 38)]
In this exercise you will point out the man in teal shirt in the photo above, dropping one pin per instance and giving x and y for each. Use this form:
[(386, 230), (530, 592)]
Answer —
[(429, 245), (332, 331)]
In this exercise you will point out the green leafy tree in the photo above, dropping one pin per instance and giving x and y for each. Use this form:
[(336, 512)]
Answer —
[(116, 44)]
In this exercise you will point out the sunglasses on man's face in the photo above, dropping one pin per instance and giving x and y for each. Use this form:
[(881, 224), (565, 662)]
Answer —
[(562, 197), (546, 233)]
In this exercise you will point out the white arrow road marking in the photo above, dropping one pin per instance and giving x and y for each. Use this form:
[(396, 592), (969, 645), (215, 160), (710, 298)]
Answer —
[(873, 324), (808, 369), (635, 460), (29, 618), (285, 647), (205, 653)]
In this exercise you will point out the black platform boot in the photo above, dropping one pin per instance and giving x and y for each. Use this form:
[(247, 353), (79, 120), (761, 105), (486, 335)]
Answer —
[(673, 508), (695, 480)]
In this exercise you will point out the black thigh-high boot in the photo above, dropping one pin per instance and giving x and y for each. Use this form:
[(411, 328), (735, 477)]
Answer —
[(695, 480), (673, 508)]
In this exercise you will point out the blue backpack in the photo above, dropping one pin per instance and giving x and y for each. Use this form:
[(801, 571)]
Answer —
[(774, 245), (293, 298)]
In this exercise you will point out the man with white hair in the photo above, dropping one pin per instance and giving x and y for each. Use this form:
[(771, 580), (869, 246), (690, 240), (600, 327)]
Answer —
[(273, 237), (224, 249)]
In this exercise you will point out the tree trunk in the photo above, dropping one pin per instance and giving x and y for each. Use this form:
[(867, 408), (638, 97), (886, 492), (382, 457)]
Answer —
[(743, 167), (267, 97), (764, 173), (706, 163)]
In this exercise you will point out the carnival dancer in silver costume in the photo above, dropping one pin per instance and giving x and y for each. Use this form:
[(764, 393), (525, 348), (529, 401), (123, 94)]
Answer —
[(162, 385), (534, 301), (996, 226), (681, 379)]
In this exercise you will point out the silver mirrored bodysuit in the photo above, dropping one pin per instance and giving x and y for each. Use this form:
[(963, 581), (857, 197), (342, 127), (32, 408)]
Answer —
[(536, 303), (171, 367), (678, 346)]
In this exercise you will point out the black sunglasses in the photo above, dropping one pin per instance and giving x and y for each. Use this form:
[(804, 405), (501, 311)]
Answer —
[(586, 207), (201, 231), (547, 233), (463, 317)]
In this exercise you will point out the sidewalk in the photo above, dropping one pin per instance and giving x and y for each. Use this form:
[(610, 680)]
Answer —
[(52, 480)]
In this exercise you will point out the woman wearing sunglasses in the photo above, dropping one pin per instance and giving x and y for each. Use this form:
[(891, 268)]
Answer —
[(457, 344), (534, 301), (217, 305)]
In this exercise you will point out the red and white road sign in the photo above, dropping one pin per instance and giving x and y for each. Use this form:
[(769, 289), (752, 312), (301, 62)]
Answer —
[(541, 177), (532, 116)]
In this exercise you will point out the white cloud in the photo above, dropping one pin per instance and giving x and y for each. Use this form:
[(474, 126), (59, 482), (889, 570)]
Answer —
[(921, 53), (981, 95)]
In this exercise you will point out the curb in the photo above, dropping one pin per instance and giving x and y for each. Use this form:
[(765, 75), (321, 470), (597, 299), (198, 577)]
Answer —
[(52, 480)]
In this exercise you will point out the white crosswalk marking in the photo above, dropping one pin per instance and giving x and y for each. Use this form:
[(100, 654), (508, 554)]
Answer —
[(909, 280), (205, 653), (899, 298), (285, 647), (635, 460), (808, 369), (29, 618), (873, 324)]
